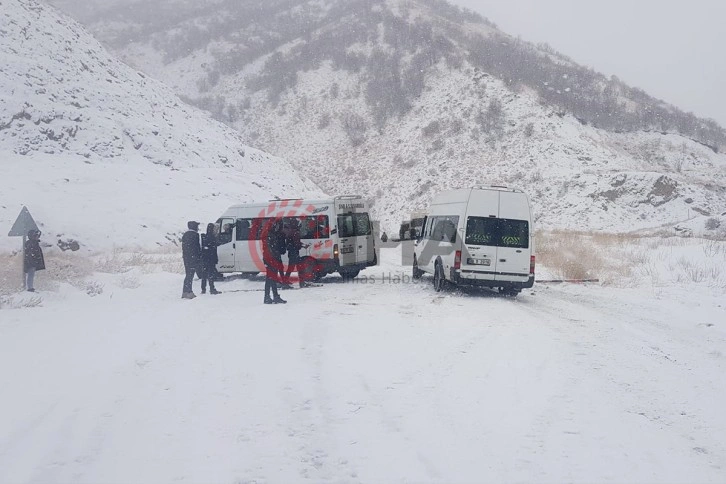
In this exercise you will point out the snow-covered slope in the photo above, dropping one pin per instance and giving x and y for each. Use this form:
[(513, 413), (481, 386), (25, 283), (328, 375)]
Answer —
[(451, 116), (579, 177), (103, 154)]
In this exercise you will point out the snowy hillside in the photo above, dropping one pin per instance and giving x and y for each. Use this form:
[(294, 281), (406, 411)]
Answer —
[(103, 154), (400, 99)]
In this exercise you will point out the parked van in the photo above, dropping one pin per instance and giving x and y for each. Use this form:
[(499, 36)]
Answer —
[(482, 236), (338, 232)]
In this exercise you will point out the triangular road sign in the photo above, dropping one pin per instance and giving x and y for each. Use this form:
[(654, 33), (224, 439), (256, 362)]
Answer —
[(23, 224)]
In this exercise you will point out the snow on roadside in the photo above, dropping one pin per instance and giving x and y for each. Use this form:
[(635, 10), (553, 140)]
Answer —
[(374, 381)]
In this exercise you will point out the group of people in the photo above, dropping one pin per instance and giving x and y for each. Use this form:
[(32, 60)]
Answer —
[(200, 258)]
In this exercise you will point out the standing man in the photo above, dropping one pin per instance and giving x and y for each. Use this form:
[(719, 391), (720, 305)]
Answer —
[(293, 246), (273, 246), (209, 259), (34, 260), (192, 255)]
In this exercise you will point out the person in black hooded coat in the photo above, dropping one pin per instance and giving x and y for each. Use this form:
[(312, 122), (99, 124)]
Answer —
[(209, 259), (34, 260), (192, 256)]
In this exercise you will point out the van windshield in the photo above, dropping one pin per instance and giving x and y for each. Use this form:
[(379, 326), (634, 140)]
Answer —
[(497, 232), (354, 225)]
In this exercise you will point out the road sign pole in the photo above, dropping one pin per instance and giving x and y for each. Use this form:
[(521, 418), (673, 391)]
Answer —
[(22, 263)]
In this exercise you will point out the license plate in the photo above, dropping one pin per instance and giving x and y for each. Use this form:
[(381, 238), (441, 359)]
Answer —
[(347, 250), (479, 262)]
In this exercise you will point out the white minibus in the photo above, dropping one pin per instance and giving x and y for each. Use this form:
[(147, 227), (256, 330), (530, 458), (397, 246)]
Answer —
[(337, 233), (481, 236)]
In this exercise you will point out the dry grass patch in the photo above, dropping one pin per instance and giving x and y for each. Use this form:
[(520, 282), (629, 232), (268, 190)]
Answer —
[(626, 260)]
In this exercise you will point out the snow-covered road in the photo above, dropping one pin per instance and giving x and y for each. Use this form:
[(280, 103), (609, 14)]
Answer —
[(364, 382)]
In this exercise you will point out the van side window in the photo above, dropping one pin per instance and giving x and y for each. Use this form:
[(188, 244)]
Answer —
[(243, 229), (445, 229), (253, 228), (225, 230), (430, 221), (312, 227)]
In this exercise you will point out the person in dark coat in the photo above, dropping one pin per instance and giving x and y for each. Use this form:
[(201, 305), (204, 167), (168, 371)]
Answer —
[(192, 255), (293, 244), (273, 246), (33, 260), (209, 259)]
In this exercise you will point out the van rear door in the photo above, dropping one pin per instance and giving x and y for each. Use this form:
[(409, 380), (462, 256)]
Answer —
[(480, 248), (513, 254), (356, 239)]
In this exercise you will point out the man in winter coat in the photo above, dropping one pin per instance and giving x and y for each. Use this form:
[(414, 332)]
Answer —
[(209, 259), (192, 255), (273, 246), (34, 260), (293, 244)]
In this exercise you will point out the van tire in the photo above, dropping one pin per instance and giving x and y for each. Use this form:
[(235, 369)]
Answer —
[(439, 278), (509, 291), (416, 273), (349, 275)]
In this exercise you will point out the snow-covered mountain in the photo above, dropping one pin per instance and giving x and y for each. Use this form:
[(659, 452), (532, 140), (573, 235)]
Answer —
[(103, 154), (398, 99)]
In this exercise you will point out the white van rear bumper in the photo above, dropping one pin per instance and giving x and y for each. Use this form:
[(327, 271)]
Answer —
[(491, 279)]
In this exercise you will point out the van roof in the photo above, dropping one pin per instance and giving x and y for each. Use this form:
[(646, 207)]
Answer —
[(322, 201), (462, 195)]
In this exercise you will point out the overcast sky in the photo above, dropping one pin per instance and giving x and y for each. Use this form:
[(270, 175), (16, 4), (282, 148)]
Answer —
[(673, 49)]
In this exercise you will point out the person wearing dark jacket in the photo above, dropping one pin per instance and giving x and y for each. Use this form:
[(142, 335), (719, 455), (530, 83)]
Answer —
[(192, 255), (273, 246), (33, 260), (293, 244), (209, 259)]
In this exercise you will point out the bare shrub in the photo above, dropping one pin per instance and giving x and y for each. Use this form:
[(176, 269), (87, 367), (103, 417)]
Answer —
[(431, 129), (129, 281), (355, 127), (20, 302), (11, 266), (64, 267), (713, 223), (94, 288), (712, 248), (567, 256), (174, 267)]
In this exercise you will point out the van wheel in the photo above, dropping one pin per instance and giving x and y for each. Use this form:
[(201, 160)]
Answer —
[(439, 278), (417, 273), (349, 275), (509, 291)]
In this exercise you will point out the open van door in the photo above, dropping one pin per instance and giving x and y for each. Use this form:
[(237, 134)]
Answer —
[(226, 248)]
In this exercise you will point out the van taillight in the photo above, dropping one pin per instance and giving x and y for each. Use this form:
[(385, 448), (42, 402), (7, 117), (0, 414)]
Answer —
[(335, 251), (457, 260), (531, 265)]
